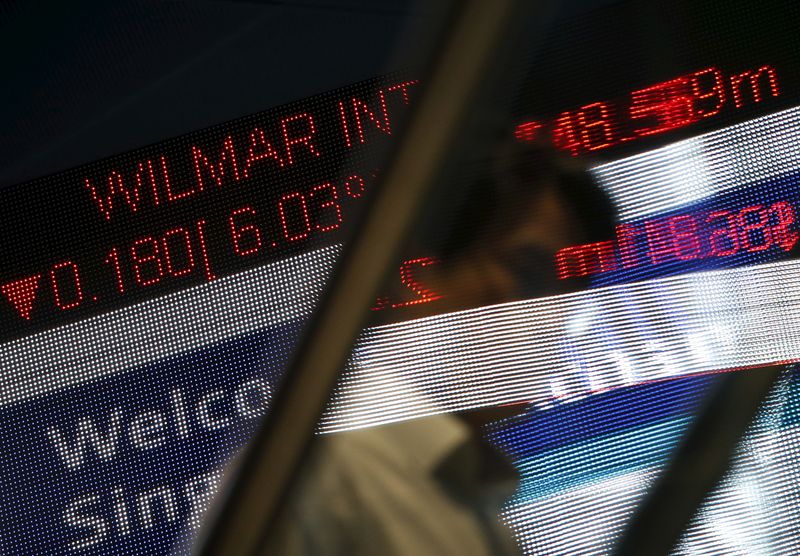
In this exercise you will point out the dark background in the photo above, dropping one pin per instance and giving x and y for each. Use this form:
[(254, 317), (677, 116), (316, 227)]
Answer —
[(85, 80), (82, 81)]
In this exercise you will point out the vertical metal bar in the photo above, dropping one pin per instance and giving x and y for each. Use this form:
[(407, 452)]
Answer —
[(477, 38), (699, 463)]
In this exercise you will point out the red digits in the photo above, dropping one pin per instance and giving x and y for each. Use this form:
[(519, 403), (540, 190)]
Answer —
[(667, 106), (659, 242), (564, 136), (760, 225), (356, 182), (113, 259), (723, 241), (58, 294), (306, 227), (596, 130), (409, 279), (187, 245), (754, 228), (247, 238), (685, 243), (330, 203), (703, 109), (628, 247), (781, 234), (173, 253), (147, 267)]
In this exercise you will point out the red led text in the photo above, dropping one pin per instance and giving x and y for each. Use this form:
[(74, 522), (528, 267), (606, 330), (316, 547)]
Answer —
[(177, 252), (656, 109), (686, 237), (410, 278), (219, 162)]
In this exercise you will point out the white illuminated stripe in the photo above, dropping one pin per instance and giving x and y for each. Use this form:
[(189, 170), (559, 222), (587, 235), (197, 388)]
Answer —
[(688, 171), (583, 521), (190, 319), (573, 345), (567, 346), (737, 519), (753, 511)]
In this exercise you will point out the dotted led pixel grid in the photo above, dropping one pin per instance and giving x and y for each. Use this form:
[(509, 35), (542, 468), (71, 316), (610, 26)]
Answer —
[(119, 423)]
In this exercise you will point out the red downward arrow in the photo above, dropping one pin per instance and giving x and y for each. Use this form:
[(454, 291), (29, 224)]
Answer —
[(21, 294)]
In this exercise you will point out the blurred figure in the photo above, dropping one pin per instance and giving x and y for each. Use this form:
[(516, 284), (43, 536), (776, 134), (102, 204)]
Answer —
[(434, 485), (524, 203)]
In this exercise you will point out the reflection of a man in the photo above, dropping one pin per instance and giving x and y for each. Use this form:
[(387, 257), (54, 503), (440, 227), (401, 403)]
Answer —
[(433, 485)]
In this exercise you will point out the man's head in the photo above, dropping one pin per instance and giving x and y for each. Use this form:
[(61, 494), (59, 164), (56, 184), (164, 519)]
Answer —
[(518, 206), (527, 185)]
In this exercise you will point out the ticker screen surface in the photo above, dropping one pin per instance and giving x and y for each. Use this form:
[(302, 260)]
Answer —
[(149, 301)]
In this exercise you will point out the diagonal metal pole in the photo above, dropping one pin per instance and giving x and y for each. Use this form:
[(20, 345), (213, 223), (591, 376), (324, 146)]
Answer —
[(698, 464), (463, 75)]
